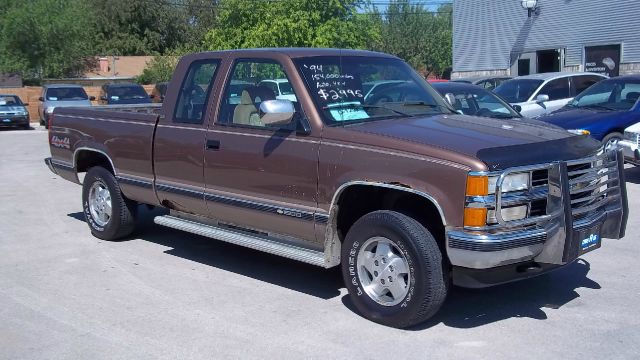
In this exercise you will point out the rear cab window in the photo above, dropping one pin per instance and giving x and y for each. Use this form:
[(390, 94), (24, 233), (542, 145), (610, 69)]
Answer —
[(195, 91)]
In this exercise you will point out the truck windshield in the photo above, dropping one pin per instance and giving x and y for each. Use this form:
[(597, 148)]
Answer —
[(353, 89), (122, 93), (66, 94)]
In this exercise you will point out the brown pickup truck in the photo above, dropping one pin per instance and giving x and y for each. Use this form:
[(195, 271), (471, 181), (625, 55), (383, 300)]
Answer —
[(353, 161)]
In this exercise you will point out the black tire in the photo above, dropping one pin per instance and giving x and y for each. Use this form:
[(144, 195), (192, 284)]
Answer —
[(123, 211), (26, 126), (614, 136), (427, 288)]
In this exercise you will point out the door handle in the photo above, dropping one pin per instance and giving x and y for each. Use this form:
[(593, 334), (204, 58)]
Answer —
[(213, 145)]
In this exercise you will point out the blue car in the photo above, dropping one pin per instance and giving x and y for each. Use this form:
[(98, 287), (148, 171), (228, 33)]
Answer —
[(603, 110)]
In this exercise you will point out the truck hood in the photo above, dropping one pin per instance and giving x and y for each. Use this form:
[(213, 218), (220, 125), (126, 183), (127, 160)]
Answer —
[(499, 143)]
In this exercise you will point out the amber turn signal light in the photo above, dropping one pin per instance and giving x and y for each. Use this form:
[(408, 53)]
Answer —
[(475, 217), (477, 185)]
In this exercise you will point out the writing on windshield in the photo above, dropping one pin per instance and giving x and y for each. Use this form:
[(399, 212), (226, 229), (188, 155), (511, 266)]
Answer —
[(356, 89)]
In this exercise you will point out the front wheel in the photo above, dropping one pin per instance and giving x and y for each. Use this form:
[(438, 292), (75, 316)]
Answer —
[(109, 214), (611, 140), (392, 268)]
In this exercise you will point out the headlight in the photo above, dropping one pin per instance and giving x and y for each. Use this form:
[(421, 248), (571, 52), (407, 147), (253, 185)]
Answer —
[(22, 112), (579, 131), (512, 182), (508, 214), (50, 109), (631, 136)]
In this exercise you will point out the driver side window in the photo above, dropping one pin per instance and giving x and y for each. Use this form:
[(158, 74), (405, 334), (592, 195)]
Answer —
[(252, 83), (194, 92)]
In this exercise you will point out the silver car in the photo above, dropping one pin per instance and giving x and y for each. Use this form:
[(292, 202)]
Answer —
[(61, 95), (541, 94)]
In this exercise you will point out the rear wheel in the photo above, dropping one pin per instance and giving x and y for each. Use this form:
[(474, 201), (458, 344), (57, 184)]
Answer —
[(392, 268), (109, 214)]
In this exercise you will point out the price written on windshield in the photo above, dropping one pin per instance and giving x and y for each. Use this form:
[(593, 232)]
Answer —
[(340, 94)]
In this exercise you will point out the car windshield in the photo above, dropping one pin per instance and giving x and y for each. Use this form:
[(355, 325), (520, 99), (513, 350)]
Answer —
[(517, 90), (120, 93), (474, 100), (9, 101), (285, 88), (66, 94), (613, 94), (338, 86)]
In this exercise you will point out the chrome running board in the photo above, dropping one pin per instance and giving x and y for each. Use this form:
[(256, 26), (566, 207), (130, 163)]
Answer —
[(237, 237)]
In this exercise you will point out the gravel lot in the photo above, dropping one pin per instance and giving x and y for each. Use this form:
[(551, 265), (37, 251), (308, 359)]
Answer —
[(168, 294)]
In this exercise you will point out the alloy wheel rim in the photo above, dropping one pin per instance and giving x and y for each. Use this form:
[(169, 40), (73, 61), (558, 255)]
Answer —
[(612, 144), (383, 271), (100, 203)]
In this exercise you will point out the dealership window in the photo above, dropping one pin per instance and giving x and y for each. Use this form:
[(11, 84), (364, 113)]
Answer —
[(557, 89)]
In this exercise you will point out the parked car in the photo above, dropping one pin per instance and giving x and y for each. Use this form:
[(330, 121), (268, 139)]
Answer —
[(470, 99), (603, 110), (371, 87), (123, 93), (406, 196), (280, 87), (541, 94), (61, 95), (631, 144), (487, 82), (236, 87), (158, 92), (13, 112)]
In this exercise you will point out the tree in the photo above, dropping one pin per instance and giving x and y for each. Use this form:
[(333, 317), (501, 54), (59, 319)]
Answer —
[(138, 27), (420, 36), (292, 23), (159, 69), (44, 38)]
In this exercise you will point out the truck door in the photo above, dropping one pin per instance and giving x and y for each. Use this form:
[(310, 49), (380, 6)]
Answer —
[(180, 138), (260, 176)]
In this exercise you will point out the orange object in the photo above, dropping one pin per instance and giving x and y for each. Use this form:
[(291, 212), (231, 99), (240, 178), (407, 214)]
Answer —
[(477, 185), (475, 217)]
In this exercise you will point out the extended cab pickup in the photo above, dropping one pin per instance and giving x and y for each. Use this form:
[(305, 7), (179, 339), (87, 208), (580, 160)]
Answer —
[(403, 193)]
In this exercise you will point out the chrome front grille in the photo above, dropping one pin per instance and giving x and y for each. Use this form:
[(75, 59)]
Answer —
[(590, 184), (593, 182)]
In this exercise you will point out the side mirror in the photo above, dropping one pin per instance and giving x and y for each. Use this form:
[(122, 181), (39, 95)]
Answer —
[(517, 108), (25, 104), (92, 98), (276, 112), (542, 98), (40, 98), (451, 99), (152, 96)]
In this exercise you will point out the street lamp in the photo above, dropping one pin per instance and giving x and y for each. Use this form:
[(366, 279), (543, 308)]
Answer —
[(530, 5)]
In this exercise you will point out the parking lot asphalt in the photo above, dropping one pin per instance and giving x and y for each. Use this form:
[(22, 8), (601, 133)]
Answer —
[(164, 294)]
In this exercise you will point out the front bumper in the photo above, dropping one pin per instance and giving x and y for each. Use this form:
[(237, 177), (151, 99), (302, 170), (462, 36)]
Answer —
[(509, 254), (631, 151), (13, 120)]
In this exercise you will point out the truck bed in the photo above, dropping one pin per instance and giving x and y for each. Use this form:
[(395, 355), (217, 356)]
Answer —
[(122, 133)]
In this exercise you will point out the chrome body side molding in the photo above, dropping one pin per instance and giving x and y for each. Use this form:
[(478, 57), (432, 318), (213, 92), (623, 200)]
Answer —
[(332, 244)]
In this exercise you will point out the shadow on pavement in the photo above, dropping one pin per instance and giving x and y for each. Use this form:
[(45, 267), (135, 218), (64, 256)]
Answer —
[(632, 175), (290, 274), (464, 308)]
